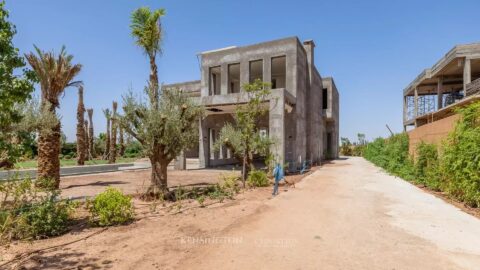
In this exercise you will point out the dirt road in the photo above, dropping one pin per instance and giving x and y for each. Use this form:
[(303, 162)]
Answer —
[(349, 215), (346, 215)]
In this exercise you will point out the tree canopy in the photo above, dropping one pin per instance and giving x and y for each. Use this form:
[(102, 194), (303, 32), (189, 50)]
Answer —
[(16, 88)]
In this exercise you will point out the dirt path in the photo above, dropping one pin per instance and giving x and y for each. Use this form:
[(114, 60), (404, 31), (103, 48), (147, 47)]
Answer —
[(349, 215), (346, 215)]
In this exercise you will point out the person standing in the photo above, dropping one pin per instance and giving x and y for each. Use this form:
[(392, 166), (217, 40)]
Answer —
[(278, 174)]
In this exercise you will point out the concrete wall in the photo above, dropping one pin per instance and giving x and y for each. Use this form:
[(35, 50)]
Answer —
[(300, 130), (265, 51), (303, 87), (192, 87), (434, 132), (331, 117)]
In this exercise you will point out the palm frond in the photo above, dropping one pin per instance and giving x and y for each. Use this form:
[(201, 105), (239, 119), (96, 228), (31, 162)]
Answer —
[(55, 72)]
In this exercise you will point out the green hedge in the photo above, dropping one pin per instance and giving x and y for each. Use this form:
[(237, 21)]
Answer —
[(453, 167)]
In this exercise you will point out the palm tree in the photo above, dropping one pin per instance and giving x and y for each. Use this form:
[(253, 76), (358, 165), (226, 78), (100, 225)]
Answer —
[(147, 30), (90, 134), (87, 139), (113, 136), (108, 116), (55, 73), (121, 141), (80, 128)]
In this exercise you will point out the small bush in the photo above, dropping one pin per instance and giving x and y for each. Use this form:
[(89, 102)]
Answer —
[(427, 166), (50, 217), (111, 207), (27, 213), (392, 155), (257, 178), (346, 147)]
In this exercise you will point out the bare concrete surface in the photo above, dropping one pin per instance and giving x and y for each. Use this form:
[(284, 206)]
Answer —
[(350, 215), (346, 215)]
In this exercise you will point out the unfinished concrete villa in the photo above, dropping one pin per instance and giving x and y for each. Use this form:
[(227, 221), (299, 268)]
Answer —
[(429, 101), (303, 115)]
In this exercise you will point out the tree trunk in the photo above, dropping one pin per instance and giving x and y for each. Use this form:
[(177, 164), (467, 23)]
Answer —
[(106, 156), (90, 134), (153, 83), (113, 137), (80, 129), (121, 142), (87, 139), (158, 178), (48, 156)]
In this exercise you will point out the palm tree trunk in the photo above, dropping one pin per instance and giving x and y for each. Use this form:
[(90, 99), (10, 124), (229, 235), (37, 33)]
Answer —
[(90, 134), (106, 156), (87, 139), (113, 137), (80, 129), (153, 82), (48, 161), (121, 141)]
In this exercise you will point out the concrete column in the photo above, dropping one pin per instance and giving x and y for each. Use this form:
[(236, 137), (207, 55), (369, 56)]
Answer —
[(415, 102), (204, 80), (181, 162), (224, 79), (267, 69), (211, 138), (203, 150), (440, 93), (244, 73), (467, 73), (277, 125)]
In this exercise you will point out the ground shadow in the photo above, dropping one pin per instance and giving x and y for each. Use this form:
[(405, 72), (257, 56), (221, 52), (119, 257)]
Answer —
[(98, 183), (65, 258)]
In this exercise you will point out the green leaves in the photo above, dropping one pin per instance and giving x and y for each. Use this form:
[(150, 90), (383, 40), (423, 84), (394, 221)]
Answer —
[(15, 90), (111, 207), (243, 138), (173, 126), (147, 30), (453, 168)]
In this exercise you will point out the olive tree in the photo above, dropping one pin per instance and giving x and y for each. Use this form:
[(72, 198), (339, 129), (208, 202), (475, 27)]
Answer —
[(243, 138), (164, 130)]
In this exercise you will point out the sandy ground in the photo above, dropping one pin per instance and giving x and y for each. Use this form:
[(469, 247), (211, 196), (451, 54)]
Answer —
[(134, 182), (346, 215)]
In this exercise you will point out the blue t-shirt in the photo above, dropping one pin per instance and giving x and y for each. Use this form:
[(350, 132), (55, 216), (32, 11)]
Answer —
[(278, 173)]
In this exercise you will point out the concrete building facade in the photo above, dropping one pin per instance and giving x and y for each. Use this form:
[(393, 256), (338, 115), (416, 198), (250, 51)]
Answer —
[(303, 111), (429, 101)]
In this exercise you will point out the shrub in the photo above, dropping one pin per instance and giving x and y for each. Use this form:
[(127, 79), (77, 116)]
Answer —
[(346, 147), (49, 217), (133, 150), (427, 166), (357, 150), (25, 214), (454, 169), (460, 162), (257, 178), (111, 207), (392, 155)]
